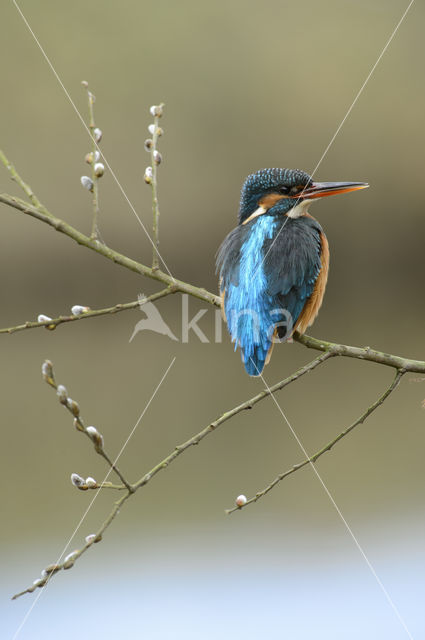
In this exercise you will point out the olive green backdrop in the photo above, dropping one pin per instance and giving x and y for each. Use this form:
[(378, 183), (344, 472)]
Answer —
[(246, 85)]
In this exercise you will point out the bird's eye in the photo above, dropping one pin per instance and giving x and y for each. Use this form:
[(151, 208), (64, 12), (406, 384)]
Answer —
[(283, 190), (295, 189)]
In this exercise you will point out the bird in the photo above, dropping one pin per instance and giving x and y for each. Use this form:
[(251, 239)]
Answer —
[(273, 267)]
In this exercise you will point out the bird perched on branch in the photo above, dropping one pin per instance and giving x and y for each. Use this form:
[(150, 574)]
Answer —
[(274, 266)]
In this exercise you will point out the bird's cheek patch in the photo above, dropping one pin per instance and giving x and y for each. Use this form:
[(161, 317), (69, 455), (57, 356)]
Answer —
[(270, 200)]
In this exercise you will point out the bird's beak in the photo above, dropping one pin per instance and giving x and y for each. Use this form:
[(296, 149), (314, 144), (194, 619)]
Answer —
[(322, 189)]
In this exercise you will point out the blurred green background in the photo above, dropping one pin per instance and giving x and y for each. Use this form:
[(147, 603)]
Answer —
[(246, 85)]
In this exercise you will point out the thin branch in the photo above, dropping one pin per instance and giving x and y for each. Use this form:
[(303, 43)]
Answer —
[(248, 404), (24, 186), (74, 409), (107, 252), (90, 313), (155, 161), (109, 485), (95, 189), (71, 558), (131, 489), (362, 353), (312, 459)]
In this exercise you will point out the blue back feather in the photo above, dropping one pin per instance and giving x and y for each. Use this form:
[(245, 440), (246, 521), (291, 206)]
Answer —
[(259, 282), (247, 305)]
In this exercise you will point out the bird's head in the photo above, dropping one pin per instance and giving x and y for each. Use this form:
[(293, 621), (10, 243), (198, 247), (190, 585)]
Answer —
[(285, 191)]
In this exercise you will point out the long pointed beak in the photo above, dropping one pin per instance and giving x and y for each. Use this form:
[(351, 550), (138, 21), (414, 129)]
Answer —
[(322, 189)]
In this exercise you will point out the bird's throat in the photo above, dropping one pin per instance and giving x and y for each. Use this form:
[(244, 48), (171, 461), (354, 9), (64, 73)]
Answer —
[(299, 210)]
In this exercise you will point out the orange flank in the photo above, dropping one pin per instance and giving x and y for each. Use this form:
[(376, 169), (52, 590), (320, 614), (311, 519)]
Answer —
[(313, 304)]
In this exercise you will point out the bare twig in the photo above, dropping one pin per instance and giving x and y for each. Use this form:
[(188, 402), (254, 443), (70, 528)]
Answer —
[(71, 558), (91, 432), (24, 186), (95, 189), (248, 404), (362, 353), (91, 313), (131, 489), (312, 459), (107, 252), (109, 485)]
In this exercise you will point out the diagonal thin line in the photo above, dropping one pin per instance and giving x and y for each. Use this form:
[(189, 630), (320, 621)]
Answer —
[(94, 497), (88, 131), (360, 91), (338, 510), (341, 124)]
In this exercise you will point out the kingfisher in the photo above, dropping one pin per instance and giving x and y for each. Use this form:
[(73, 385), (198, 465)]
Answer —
[(273, 267)]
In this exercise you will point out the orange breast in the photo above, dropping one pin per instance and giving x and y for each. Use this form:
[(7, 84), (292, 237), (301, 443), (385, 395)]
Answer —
[(313, 304)]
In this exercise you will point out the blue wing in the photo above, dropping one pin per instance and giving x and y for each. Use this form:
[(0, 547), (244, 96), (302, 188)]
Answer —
[(267, 269), (292, 265)]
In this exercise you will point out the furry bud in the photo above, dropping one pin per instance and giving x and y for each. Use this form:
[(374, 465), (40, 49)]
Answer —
[(47, 372), (90, 538), (87, 183), (42, 318), (153, 129), (62, 394), (241, 501), (89, 157), (50, 569), (91, 483), (148, 144), (148, 175), (77, 480), (73, 407), (69, 560), (97, 134), (78, 425), (156, 110), (157, 157), (78, 310), (96, 438), (39, 582), (99, 169)]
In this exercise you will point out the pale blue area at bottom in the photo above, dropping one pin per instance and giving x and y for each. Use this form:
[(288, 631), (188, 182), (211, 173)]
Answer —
[(196, 596)]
